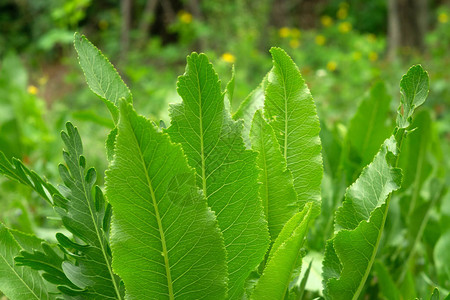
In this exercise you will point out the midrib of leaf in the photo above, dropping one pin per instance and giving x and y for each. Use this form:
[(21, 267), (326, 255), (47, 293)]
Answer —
[(158, 219), (20, 278), (200, 112), (266, 177), (285, 114), (102, 246)]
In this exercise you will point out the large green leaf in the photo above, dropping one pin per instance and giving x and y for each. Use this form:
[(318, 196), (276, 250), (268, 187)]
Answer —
[(360, 221), (226, 171), (350, 254), (101, 76), (277, 191), (165, 241), (17, 282), (290, 109), (284, 258), (368, 128)]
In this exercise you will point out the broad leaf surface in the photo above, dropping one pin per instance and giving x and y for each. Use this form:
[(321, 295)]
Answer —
[(290, 109), (414, 89), (350, 254), (226, 171), (285, 257), (165, 241), (17, 282), (101, 76), (248, 107), (277, 191)]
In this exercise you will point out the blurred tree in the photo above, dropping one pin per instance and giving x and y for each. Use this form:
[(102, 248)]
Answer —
[(407, 25)]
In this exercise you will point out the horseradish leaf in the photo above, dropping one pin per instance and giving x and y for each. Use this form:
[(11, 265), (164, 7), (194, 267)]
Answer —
[(164, 239), (18, 282), (285, 257), (277, 192), (360, 221), (368, 128), (291, 112), (226, 171), (248, 107), (414, 90), (83, 211), (101, 76)]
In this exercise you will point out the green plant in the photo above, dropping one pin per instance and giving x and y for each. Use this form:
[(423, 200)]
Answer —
[(214, 206)]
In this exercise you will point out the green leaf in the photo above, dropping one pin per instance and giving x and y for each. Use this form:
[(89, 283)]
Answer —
[(277, 192), (386, 284), (101, 76), (165, 241), (291, 112), (414, 89), (435, 294), (247, 110), (360, 220), (369, 127), (226, 171), (285, 257), (415, 159), (17, 282), (83, 211), (230, 90), (350, 254), (48, 261), (441, 257), (299, 291), (17, 171)]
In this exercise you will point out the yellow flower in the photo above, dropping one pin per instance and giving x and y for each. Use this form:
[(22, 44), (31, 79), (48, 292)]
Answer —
[(320, 40), (185, 17), (342, 13), (326, 21), (373, 56), (32, 90), (345, 27), (284, 32), (371, 37), (356, 55), (443, 17), (332, 66), (43, 80), (295, 33), (294, 43), (228, 57)]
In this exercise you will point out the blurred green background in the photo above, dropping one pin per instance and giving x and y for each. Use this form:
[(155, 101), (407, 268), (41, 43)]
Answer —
[(342, 48)]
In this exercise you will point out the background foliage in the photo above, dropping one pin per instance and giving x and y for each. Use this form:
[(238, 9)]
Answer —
[(343, 52)]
